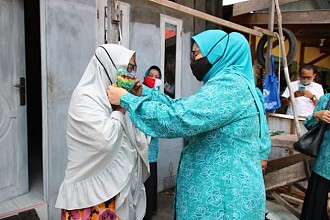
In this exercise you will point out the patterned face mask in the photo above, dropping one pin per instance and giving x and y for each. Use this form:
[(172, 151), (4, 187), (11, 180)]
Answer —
[(126, 79)]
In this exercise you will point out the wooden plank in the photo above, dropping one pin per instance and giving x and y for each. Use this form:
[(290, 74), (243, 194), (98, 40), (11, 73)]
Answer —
[(287, 205), (292, 200), (290, 17), (285, 176), (291, 190), (279, 163), (323, 56), (205, 16), (254, 5)]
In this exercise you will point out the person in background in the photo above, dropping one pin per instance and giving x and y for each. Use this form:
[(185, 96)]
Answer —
[(107, 155), (316, 197), (152, 79), (219, 174), (306, 92)]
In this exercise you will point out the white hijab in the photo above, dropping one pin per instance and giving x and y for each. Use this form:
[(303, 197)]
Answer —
[(107, 155)]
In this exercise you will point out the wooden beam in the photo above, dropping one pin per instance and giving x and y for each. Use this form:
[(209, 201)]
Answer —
[(292, 17), (302, 55), (285, 176), (205, 16), (253, 44), (325, 50), (287, 205), (319, 59), (254, 5)]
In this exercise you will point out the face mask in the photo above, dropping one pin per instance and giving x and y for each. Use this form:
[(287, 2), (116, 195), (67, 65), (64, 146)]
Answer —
[(200, 67), (306, 82), (125, 79), (152, 82)]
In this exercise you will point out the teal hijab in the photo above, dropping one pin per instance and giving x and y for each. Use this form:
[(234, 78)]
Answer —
[(153, 67), (228, 54)]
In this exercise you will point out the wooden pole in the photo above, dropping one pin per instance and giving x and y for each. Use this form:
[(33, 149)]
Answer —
[(207, 17), (286, 69), (287, 78), (113, 22), (270, 40)]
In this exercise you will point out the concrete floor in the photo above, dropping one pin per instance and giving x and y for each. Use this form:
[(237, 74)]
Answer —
[(165, 208)]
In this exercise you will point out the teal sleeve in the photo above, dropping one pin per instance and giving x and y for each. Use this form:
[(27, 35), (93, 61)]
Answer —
[(155, 95), (266, 143), (310, 121), (216, 104)]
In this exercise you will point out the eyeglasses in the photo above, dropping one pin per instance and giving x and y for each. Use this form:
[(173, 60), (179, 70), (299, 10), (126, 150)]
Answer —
[(306, 77), (193, 54), (131, 67)]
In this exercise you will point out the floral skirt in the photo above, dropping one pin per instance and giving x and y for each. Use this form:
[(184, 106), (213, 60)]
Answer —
[(103, 211)]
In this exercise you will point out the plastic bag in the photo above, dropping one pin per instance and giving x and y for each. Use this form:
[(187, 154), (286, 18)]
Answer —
[(270, 89)]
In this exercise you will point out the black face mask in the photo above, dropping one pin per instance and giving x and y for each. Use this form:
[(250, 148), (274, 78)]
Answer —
[(200, 67)]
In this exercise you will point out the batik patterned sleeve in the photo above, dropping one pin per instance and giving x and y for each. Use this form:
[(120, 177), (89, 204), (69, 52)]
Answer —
[(155, 94), (266, 144), (219, 102), (310, 121)]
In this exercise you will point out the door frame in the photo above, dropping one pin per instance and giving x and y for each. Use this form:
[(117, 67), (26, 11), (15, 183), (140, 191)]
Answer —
[(178, 23)]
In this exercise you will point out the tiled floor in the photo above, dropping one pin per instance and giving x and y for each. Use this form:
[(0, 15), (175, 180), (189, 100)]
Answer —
[(31, 200)]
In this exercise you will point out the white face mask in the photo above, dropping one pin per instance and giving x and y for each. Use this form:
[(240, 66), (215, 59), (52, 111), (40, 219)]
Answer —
[(306, 82)]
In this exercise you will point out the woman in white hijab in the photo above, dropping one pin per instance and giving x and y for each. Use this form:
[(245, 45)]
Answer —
[(107, 156)]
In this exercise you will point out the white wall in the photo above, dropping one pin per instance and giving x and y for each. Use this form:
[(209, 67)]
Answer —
[(145, 39), (69, 39)]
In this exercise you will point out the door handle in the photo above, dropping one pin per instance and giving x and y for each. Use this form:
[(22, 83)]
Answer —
[(21, 87)]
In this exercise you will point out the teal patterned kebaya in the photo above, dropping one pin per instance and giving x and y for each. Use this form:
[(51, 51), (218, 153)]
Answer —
[(219, 174), (322, 163)]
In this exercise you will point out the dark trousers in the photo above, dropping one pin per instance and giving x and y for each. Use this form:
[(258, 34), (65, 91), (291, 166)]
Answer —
[(316, 197), (151, 191)]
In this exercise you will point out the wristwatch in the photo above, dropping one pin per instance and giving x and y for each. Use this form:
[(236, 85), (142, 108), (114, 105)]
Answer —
[(314, 98)]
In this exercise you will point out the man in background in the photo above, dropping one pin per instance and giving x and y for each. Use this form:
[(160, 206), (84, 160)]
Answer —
[(306, 92)]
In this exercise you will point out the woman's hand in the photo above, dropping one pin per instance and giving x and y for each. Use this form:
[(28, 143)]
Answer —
[(119, 108), (263, 165), (114, 94), (137, 89), (323, 115)]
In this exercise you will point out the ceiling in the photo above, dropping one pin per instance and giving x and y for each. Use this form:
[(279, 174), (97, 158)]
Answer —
[(309, 27)]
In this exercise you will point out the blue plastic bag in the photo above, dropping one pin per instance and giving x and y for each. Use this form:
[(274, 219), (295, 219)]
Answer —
[(270, 89)]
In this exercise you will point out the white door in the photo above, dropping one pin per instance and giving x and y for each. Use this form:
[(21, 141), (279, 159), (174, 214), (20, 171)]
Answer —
[(13, 132)]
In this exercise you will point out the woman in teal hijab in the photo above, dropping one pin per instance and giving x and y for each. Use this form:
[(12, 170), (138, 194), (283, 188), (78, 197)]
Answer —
[(219, 175)]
